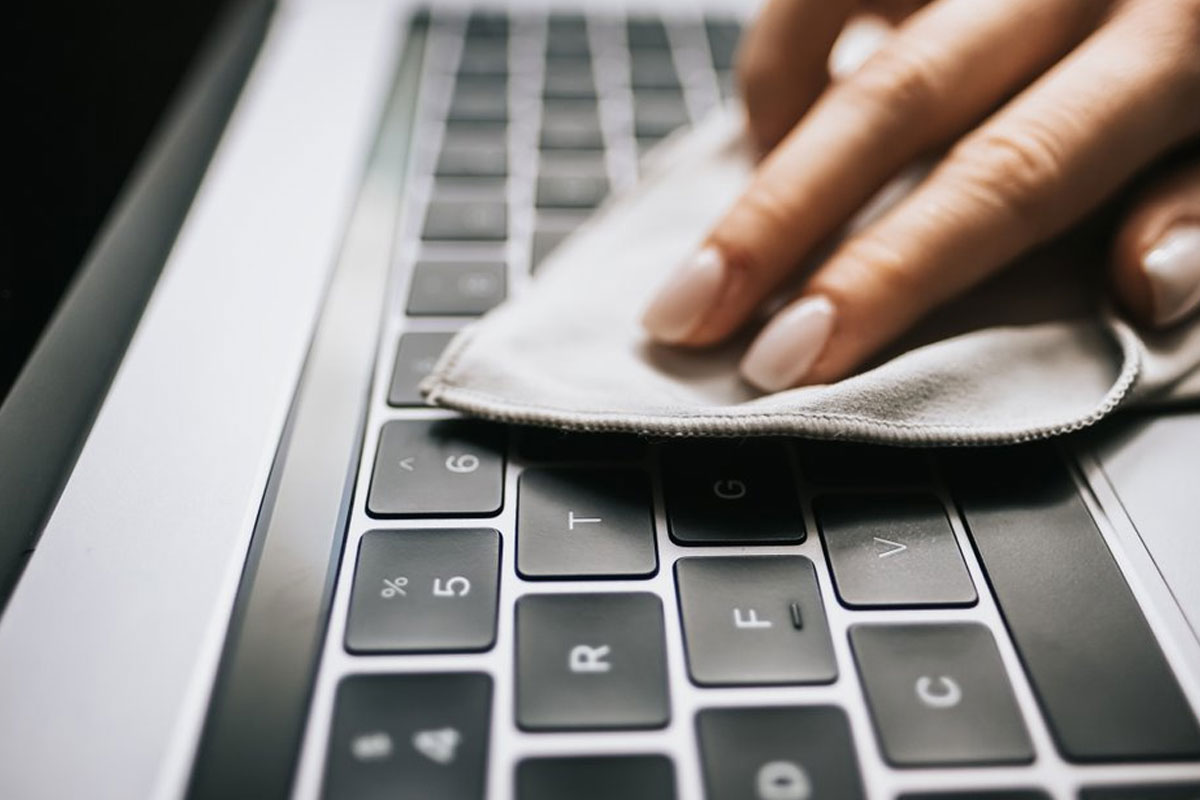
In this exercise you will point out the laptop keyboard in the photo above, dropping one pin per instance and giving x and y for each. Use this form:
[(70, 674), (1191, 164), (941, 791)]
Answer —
[(530, 614)]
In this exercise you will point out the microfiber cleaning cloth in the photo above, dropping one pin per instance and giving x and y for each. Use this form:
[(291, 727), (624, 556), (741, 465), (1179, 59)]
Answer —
[(1032, 353)]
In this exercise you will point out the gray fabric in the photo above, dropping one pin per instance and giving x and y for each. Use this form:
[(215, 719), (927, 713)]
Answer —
[(1032, 353)]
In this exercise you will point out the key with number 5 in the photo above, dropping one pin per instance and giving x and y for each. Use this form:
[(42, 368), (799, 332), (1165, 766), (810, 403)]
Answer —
[(435, 468)]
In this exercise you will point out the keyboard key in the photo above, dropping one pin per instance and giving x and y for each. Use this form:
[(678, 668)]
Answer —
[(591, 662), (436, 468), (1096, 668), (644, 33), (484, 59), (415, 358), (727, 85), (596, 778), (569, 131), (754, 620), (650, 70), (425, 591), (455, 288), (566, 45), (565, 22), (723, 36), (479, 105), (472, 220), (575, 523), (1160, 791), (980, 794), (546, 237), (731, 492), (410, 737), (571, 191), (893, 550), (551, 444), (782, 753), (483, 159), (658, 113), (846, 464), (486, 25), (939, 695), (570, 81), (473, 134)]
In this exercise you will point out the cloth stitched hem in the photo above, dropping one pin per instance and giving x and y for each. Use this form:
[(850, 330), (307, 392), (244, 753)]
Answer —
[(820, 425)]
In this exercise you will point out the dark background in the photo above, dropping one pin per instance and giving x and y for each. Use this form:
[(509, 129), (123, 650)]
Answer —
[(84, 84)]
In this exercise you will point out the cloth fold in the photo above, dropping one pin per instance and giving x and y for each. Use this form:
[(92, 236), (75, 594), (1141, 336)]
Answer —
[(1033, 353)]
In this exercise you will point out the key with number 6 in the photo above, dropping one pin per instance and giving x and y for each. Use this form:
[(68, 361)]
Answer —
[(437, 468)]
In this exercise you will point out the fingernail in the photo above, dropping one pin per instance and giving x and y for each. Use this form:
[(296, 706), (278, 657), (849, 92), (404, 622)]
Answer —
[(1173, 267), (786, 349), (687, 296)]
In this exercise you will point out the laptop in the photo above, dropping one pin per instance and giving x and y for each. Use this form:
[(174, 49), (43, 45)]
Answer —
[(245, 560)]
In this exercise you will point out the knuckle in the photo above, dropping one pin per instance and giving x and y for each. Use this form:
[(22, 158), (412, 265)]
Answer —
[(898, 79), (760, 216), (1015, 168), (871, 260)]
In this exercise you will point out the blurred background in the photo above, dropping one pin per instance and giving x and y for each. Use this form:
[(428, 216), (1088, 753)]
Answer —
[(84, 86)]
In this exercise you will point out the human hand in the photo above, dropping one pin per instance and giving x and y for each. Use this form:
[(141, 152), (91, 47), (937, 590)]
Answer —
[(1045, 108)]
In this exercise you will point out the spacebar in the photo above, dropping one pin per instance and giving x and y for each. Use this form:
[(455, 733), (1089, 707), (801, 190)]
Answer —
[(1103, 683)]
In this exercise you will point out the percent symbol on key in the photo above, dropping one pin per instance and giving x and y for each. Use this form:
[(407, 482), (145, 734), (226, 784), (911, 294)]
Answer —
[(393, 587)]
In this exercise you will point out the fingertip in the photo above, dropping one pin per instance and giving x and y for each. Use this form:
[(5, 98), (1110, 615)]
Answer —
[(1172, 267), (1156, 254), (790, 344), (687, 297)]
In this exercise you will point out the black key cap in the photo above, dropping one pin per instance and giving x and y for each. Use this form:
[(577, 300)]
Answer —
[(723, 36), (658, 113), (576, 523), (571, 191), (727, 84), (550, 444), (754, 620), (473, 134), (455, 288), (474, 220), (568, 46), (566, 22), (939, 695), (646, 34), (482, 159), (893, 550), (731, 492), (545, 239), (591, 662), (570, 131), (415, 358), (478, 105), (485, 25), (846, 464), (649, 70), (777, 754), (570, 81), (484, 59), (1173, 791), (436, 468), (409, 737), (980, 794), (1070, 611), (596, 778), (425, 591)]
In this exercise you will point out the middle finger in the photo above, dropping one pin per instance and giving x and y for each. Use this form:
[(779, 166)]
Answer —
[(945, 69)]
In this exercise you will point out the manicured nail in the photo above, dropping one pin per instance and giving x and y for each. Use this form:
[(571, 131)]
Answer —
[(1173, 267), (687, 296), (786, 349)]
